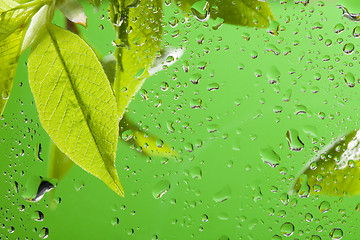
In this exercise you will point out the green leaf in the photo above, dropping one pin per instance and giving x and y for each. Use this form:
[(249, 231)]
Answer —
[(251, 13), (75, 102), (6, 5), (335, 172), (9, 56), (139, 33), (14, 16)]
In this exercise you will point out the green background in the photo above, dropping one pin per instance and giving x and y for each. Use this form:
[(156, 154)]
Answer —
[(222, 189)]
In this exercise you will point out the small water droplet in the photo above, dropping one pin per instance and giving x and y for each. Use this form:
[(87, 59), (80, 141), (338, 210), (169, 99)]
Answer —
[(115, 221), (127, 135), (356, 32), (5, 95)]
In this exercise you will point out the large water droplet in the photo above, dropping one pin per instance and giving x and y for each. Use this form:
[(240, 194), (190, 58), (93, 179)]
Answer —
[(37, 216), (356, 32), (222, 195), (339, 28), (350, 79), (160, 189), (201, 10), (5, 95), (324, 206), (38, 185), (336, 233), (287, 229), (348, 48), (270, 157), (44, 233), (351, 16), (295, 144)]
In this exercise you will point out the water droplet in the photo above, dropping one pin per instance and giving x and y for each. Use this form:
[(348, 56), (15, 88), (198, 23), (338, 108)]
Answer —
[(37, 216), (294, 141), (173, 21), (196, 173), (222, 195), (44, 233), (43, 187), (78, 184), (5, 95), (139, 73), (304, 190), (336, 233), (144, 94), (127, 135), (11, 229), (205, 218), (287, 229), (115, 221), (339, 28), (324, 206), (218, 23), (273, 75), (308, 217), (270, 157), (350, 79), (159, 143), (348, 48), (356, 32), (351, 16), (160, 189), (201, 10), (39, 149), (195, 78), (195, 103), (164, 86), (21, 207), (140, 41)]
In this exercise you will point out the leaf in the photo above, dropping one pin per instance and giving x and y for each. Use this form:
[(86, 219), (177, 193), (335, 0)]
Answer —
[(149, 144), (6, 5), (335, 172), (9, 56), (75, 102), (14, 16), (251, 13), (139, 34)]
